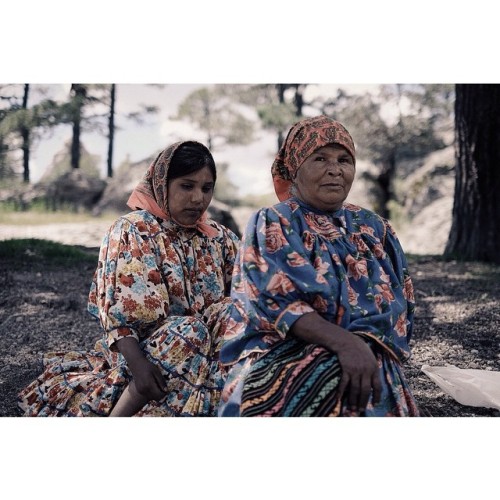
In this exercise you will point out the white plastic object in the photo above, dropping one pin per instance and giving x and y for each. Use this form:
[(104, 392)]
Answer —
[(467, 386)]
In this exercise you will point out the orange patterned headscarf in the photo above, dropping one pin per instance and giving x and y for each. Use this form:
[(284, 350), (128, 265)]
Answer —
[(151, 193), (302, 140)]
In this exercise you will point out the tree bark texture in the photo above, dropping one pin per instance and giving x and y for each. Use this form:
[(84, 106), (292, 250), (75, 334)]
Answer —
[(385, 180), (25, 134), (280, 88), (111, 127), (474, 234), (79, 94)]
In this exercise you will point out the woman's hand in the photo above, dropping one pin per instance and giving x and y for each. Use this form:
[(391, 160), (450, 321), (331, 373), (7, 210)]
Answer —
[(148, 380), (360, 372), (147, 377)]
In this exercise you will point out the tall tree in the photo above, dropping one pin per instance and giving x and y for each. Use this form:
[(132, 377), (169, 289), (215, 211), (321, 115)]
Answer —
[(21, 125), (25, 134), (104, 96), (111, 128), (6, 106), (214, 113), (474, 233), (409, 133), (278, 105), (82, 117), (92, 108), (78, 98), (281, 115)]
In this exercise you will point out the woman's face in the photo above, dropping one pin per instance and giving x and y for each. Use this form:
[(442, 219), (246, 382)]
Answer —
[(325, 178), (190, 195)]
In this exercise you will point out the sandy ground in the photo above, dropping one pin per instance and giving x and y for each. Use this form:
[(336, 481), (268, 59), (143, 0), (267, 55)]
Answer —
[(84, 233), (424, 237)]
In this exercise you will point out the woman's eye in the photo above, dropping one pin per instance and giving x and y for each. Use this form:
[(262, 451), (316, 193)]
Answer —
[(207, 189), (320, 158), (187, 187)]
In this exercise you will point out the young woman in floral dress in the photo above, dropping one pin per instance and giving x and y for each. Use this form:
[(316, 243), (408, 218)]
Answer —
[(160, 293)]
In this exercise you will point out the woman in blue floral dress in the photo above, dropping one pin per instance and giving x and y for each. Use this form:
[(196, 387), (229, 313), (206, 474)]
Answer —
[(160, 293), (322, 299)]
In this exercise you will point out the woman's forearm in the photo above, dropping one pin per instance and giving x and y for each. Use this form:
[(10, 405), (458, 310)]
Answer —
[(131, 351), (314, 329), (147, 378)]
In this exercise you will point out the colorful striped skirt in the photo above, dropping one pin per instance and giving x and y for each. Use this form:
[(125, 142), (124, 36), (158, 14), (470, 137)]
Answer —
[(295, 379)]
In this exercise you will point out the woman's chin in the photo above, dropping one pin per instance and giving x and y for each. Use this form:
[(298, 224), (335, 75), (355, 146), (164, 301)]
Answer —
[(188, 219)]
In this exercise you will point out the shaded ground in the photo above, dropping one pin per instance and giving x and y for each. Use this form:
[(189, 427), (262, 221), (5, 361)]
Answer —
[(43, 307), (458, 323)]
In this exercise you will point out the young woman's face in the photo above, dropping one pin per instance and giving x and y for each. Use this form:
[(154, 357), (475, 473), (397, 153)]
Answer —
[(190, 195), (325, 178)]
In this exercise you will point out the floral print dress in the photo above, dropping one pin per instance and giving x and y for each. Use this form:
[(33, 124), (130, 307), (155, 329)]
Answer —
[(166, 286), (349, 267)]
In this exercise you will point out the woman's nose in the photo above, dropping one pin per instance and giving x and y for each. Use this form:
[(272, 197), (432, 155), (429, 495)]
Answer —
[(333, 168), (196, 196)]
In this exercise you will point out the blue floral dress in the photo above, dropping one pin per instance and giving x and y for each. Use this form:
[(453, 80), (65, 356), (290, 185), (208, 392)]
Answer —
[(349, 267)]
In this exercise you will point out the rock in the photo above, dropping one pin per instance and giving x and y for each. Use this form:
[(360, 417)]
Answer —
[(77, 189), (428, 204), (432, 181)]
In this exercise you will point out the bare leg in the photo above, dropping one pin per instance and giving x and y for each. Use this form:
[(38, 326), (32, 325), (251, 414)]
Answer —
[(130, 402)]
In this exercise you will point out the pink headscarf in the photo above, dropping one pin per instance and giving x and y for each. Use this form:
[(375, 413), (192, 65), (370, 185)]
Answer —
[(151, 193), (302, 140)]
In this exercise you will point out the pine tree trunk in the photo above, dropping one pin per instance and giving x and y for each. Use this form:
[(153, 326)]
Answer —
[(281, 87), (111, 128), (298, 99), (25, 134), (385, 185), (75, 145), (474, 233), (79, 94)]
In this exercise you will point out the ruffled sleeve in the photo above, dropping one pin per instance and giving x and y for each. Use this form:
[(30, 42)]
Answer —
[(379, 303), (128, 294), (400, 265)]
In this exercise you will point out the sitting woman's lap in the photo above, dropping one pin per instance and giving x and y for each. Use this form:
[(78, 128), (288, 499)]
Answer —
[(296, 379)]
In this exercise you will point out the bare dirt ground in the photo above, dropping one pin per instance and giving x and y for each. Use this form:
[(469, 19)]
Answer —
[(43, 308)]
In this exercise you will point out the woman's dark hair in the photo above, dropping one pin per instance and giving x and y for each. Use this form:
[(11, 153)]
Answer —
[(190, 157)]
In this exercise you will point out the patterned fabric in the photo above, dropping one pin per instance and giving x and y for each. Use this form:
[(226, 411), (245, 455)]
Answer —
[(302, 140), (166, 286), (349, 267), (295, 379), (90, 383)]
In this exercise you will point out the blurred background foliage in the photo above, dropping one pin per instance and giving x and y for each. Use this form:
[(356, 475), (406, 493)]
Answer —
[(405, 134)]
